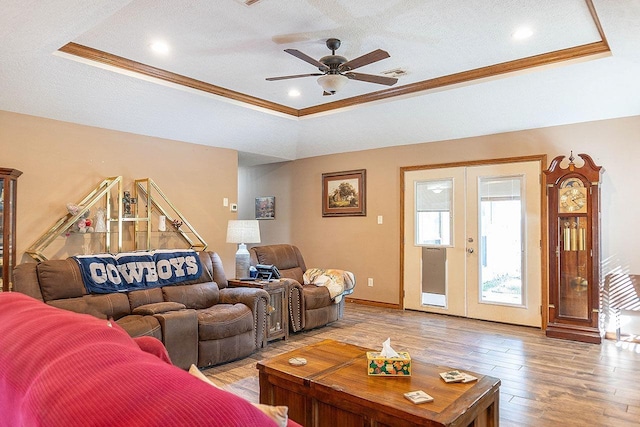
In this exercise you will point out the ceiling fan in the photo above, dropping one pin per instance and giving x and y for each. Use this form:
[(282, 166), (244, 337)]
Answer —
[(336, 70)]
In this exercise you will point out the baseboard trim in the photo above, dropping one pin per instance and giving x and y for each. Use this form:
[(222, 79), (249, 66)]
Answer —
[(373, 303)]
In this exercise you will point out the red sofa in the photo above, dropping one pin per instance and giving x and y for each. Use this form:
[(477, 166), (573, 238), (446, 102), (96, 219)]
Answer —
[(59, 368)]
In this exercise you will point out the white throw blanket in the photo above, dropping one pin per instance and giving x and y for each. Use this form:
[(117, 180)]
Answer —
[(333, 279)]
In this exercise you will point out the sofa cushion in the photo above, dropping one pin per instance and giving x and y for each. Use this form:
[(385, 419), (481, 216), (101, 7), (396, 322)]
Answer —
[(100, 306), (287, 258), (224, 320), (141, 326), (25, 280), (60, 278), (316, 297), (144, 297), (212, 270), (218, 271), (198, 296), (283, 256)]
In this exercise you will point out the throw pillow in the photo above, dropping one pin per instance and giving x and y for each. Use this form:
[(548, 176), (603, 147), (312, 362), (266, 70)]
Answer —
[(279, 414)]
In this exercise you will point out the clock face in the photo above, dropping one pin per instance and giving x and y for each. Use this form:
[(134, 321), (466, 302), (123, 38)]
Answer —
[(573, 196)]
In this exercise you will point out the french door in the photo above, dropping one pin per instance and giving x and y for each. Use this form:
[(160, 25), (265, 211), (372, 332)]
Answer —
[(472, 241)]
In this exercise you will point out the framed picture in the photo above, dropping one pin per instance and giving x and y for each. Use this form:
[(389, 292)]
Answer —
[(344, 193), (266, 207)]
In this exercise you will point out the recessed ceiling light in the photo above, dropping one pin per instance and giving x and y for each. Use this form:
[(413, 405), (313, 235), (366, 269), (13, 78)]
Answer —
[(160, 47), (522, 33), (294, 92)]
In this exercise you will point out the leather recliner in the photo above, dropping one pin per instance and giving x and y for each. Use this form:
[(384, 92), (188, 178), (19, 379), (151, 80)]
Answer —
[(202, 322), (310, 306)]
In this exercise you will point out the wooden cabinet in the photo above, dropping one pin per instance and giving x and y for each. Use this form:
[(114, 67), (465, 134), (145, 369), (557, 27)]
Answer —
[(277, 311), (573, 195), (8, 193)]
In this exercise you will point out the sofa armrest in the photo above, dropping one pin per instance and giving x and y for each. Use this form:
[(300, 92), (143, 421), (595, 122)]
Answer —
[(349, 282), (257, 300), (180, 335), (157, 307), (296, 304)]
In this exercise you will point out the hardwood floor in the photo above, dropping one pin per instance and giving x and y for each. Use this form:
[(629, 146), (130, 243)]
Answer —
[(545, 381)]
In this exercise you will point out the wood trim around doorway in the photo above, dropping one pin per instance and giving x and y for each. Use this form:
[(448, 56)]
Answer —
[(542, 158)]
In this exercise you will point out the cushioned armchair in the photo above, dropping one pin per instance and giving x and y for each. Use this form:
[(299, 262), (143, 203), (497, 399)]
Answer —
[(310, 306)]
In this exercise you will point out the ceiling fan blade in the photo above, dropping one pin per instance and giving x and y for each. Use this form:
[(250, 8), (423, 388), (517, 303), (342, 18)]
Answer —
[(325, 93), (307, 58), (382, 80), (271, 79), (365, 59)]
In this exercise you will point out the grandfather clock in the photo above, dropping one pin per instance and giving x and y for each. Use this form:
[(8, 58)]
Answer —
[(573, 196)]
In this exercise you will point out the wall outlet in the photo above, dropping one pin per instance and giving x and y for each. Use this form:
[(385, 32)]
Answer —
[(233, 207), (379, 219), (370, 281), (225, 202)]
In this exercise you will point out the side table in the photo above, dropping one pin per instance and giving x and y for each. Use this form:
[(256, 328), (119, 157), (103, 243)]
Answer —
[(278, 309)]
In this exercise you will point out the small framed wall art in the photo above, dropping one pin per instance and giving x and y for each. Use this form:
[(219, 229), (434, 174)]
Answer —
[(266, 207), (344, 193)]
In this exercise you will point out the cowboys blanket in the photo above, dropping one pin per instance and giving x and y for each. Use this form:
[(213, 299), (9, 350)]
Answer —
[(129, 271)]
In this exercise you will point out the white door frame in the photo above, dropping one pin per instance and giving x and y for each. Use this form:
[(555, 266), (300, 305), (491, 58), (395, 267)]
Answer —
[(544, 294)]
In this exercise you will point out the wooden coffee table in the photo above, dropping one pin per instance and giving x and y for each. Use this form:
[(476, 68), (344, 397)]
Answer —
[(333, 389)]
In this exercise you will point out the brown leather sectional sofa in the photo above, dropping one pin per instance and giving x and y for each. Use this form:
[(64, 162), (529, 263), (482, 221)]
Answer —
[(310, 306), (201, 322)]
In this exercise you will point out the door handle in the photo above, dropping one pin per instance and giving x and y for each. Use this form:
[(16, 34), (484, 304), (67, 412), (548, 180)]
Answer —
[(470, 250)]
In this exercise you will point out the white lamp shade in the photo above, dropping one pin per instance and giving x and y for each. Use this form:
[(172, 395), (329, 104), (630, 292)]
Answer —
[(243, 231), (332, 82)]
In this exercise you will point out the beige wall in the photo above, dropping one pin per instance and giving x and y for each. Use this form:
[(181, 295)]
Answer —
[(258, 182), (62, 162), (371, 250)]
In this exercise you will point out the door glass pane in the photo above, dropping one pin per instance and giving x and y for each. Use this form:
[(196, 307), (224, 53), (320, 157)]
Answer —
[(501, 237), (433, 212)]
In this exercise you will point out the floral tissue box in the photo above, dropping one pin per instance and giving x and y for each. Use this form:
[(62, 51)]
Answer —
[(394, 366)]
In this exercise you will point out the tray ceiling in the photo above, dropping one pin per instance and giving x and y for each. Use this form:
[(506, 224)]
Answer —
[(225, 50)]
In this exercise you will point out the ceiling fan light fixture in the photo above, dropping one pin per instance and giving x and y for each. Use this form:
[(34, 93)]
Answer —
[(332, 83)]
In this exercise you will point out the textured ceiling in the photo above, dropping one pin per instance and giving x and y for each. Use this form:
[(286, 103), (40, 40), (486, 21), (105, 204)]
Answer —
[(235, 47)]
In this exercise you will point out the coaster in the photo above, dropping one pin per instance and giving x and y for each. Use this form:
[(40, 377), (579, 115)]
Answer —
[(297, 361), (418, 397)]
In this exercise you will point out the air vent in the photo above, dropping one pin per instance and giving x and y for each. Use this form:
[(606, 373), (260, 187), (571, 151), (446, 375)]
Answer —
[(396, 72), (248, 2)]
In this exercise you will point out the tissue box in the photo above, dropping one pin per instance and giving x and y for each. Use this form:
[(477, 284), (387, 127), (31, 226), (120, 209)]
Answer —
[(392, 366)]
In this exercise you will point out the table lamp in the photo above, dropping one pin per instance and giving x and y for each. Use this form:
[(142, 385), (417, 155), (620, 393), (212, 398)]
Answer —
[(241, 232)]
